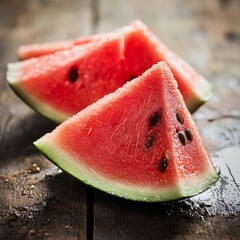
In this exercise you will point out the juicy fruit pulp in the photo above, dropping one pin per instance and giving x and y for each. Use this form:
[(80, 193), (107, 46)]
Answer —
[(128, 144), (44, 82), (142, 50), (60, 85)]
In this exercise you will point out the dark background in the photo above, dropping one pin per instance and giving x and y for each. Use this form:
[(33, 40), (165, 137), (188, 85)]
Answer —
[(53, 205)]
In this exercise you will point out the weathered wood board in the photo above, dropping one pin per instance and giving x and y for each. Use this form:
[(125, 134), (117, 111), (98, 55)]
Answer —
[(45, 203)]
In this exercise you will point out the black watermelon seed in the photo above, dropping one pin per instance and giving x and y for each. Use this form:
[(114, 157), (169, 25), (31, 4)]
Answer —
[(149, 142), (162, 165), (154, 119), (73, 75), (179, 117), (131, 78), (188, 134), (182, 138)]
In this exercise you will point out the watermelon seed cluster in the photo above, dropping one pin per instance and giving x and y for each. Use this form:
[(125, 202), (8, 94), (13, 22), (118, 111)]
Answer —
[(154, 120), (181, 136)]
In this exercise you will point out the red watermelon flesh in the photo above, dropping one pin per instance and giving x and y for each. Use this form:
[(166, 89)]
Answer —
[(36, 50), (45, 82), (101, 66), (142, 49), (139, 142)]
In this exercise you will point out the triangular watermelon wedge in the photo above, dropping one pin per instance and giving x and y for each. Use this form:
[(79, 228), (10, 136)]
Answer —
[(142, 49), (139, 142), (137, 50), (60, 85)]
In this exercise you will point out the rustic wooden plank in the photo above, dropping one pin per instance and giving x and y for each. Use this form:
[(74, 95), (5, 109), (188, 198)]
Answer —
[(116, 218), (34, 206), (36, 201), (206, 34)]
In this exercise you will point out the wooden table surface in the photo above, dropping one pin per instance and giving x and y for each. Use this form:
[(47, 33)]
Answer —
[(53, 205)]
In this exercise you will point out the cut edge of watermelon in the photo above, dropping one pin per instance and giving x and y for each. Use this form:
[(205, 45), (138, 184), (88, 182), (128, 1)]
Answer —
[(188, 186), (67, 162), (201, 95), (43, 109), (203, 89), (183, 188), (92, 178)]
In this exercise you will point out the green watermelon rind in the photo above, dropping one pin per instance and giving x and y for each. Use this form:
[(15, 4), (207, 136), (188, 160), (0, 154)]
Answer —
[(184, 186), (66, 162), (39, 106), (200, 96)]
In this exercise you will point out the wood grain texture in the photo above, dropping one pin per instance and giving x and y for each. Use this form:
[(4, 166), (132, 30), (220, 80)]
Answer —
[(49, 204)]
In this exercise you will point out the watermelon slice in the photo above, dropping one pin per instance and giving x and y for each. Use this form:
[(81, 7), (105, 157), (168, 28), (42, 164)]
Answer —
[(142, 50), (139, 142), (61, 84), (98, 65)]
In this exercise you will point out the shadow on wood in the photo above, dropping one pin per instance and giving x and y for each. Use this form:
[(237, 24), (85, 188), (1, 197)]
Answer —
[(22, 134), (177, 219), (59, 211)]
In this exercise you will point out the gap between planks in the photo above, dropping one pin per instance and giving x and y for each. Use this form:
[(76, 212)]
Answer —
[(90, 212)]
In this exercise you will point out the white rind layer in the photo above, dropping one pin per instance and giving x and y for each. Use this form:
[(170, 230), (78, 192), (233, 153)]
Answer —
[(76, 167), (13, 73), (202, 94)]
